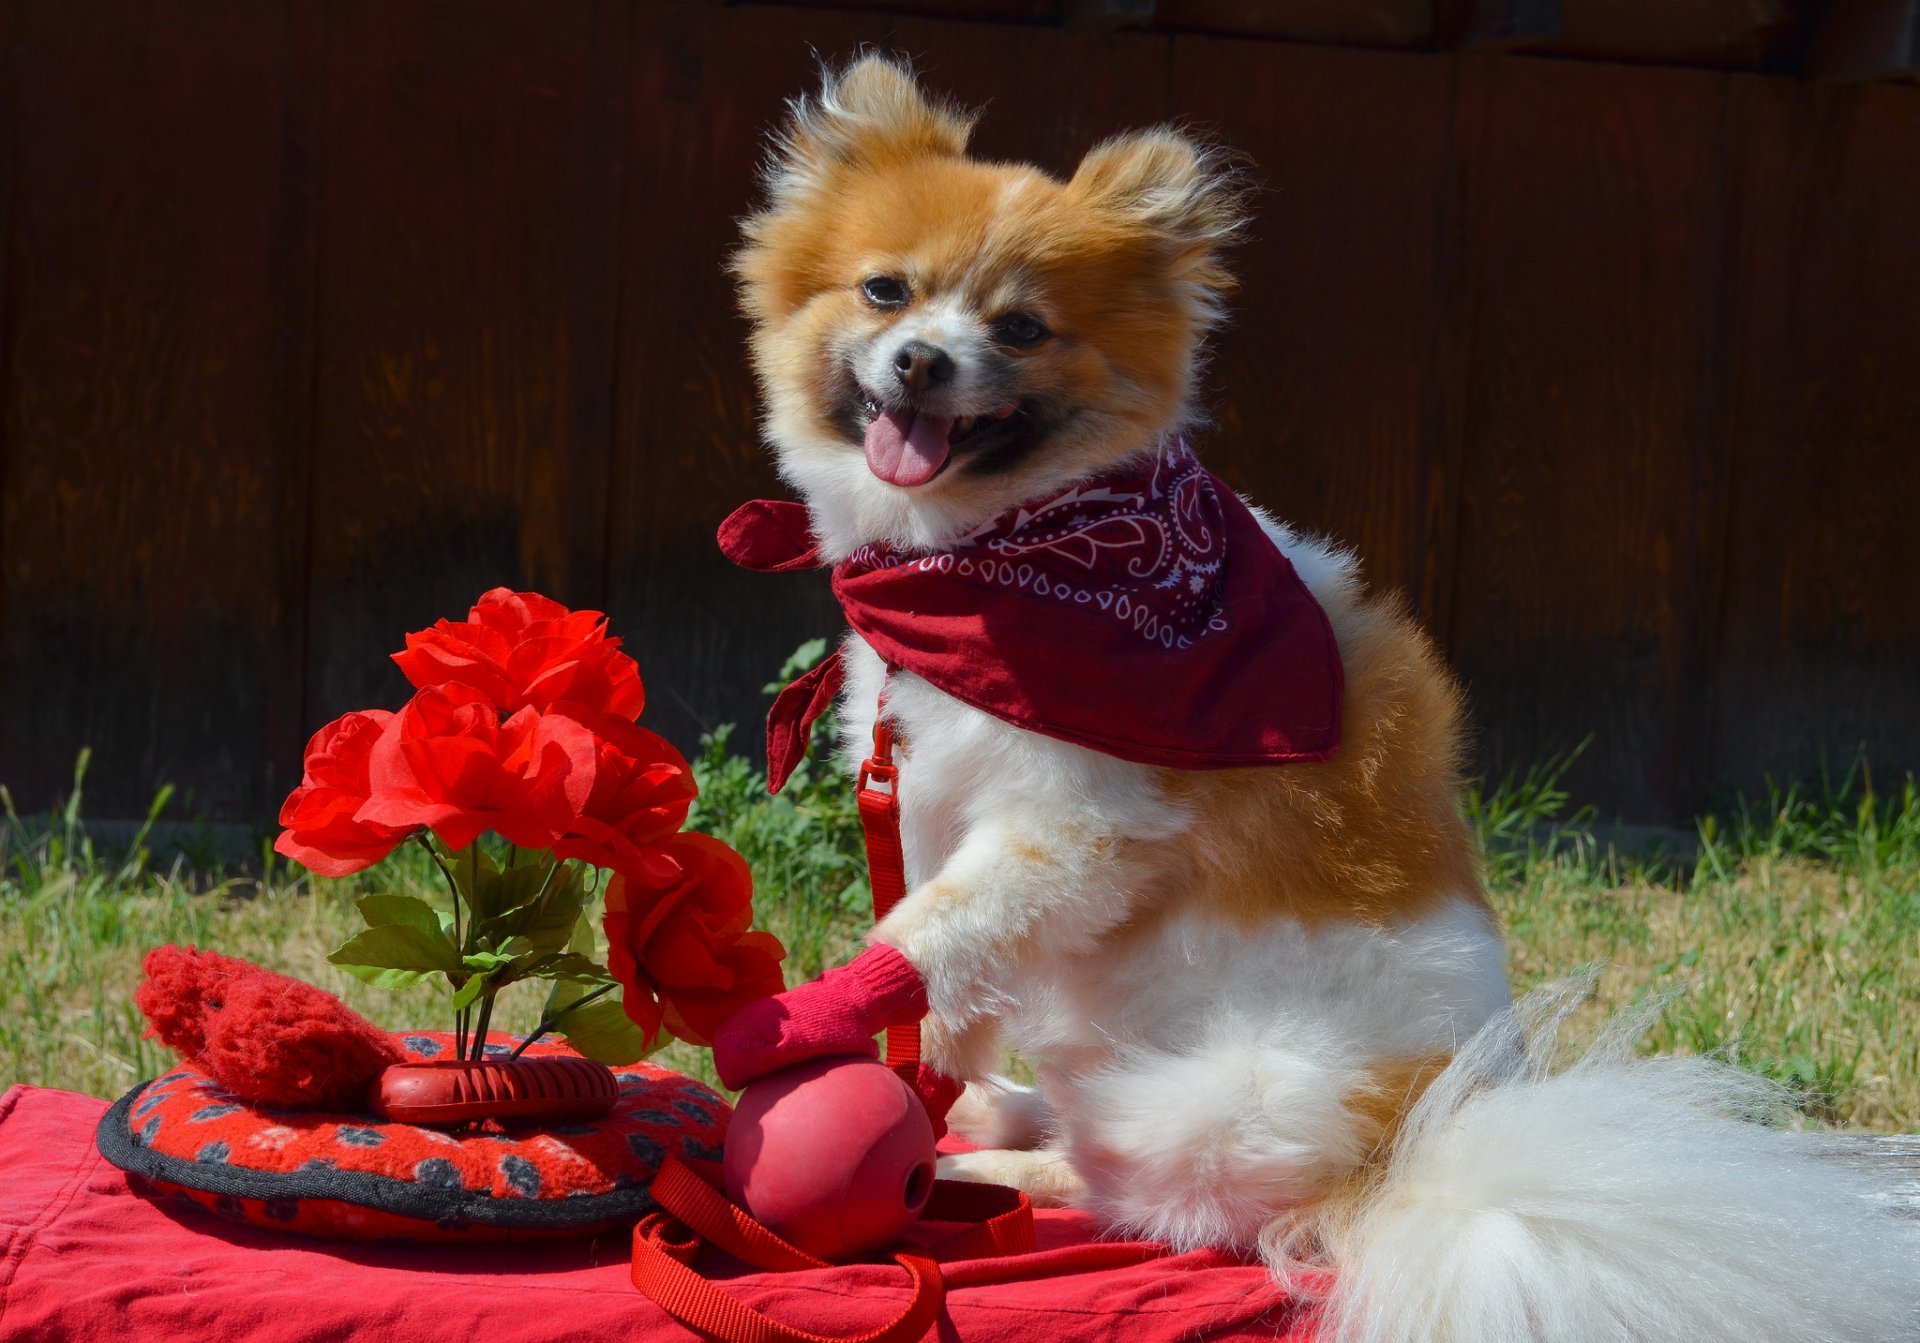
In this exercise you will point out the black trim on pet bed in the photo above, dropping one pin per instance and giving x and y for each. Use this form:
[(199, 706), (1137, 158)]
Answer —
[(383, 1193)]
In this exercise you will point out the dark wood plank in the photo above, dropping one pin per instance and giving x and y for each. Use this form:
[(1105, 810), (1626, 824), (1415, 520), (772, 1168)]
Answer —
[(707, 85), (1048, 96), (1733, 34), (1585, 548), (1367, 23), (467, 207), (1730, 34), (1867, 39), (1324, 378), (1498, 25), (1821, 643), (145, 289), (1016, 11)]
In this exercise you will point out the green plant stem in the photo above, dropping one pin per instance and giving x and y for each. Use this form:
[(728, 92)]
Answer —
[(453, 893), (549, 1021), (480, 1028)]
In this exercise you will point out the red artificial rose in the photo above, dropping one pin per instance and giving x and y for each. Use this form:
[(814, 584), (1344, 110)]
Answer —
[(678, 939), (449, 763), (319, 816), (523, 650), (605, 787)]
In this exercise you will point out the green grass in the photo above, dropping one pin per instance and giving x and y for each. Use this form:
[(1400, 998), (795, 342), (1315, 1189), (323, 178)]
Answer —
[(1791, 944)]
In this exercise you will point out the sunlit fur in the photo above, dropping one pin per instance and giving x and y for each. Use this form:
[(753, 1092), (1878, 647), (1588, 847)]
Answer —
[(1266, 1009)]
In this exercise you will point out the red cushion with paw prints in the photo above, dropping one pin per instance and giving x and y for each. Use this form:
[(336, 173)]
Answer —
[(351, 1176)]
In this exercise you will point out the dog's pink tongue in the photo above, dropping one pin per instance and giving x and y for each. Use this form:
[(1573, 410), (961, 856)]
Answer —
[(906, 448)]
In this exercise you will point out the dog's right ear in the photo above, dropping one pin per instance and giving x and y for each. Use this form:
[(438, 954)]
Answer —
[(871, 112)]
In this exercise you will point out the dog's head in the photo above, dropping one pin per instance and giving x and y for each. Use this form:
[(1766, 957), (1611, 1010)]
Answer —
[(938, 338)]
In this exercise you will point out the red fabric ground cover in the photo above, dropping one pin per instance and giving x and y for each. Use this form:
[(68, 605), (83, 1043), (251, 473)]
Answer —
[(83, 1257)]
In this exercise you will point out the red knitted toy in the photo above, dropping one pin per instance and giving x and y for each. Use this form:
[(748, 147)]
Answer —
[(262, 1036)]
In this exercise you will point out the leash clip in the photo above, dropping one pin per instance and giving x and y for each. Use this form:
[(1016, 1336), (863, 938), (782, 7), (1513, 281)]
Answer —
[(879, 767)]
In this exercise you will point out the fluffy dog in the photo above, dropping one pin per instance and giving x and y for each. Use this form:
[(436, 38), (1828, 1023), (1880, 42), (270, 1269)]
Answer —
[(1266, 1006)]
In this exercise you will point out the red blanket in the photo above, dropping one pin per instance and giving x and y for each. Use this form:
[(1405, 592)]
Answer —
[(83, 1257)]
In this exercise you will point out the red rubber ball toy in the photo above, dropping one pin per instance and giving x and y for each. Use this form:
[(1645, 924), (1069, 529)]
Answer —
[(834, 1156)]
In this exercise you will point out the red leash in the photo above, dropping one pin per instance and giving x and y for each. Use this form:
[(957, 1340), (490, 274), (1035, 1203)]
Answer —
[(694, 1211), (879, 799), (996, 1246)]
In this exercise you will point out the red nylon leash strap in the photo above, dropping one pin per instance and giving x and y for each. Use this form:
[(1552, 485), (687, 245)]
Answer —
[(879, 799), (694, 1211), (995, 1246)]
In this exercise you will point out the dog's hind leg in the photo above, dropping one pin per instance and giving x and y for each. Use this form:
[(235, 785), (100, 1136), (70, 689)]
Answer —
[(1044, 1175), (999, 1113)]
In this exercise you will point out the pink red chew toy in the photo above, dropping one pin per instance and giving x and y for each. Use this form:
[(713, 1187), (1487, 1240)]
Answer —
[(834, 1156)]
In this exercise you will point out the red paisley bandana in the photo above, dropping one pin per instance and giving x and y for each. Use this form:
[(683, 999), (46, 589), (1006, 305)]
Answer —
[(1144, 614)]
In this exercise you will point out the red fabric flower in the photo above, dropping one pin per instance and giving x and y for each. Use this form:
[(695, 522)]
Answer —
[(449, 763), (678, 939), (523, 650), (321, 829), (607, 788)]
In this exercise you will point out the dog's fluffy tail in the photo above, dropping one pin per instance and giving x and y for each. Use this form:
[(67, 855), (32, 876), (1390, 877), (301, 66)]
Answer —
[(1622, 1200)]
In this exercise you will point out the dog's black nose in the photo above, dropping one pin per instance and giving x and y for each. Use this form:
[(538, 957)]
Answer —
[(920, 365)]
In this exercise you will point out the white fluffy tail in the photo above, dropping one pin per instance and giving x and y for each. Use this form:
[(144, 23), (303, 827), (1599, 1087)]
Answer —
[(1622, 1200)]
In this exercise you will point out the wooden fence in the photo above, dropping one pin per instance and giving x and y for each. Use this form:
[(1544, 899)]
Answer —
[(318, 319)]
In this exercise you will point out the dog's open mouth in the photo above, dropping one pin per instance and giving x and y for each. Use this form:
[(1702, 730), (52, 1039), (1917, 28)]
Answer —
[(909, 447)]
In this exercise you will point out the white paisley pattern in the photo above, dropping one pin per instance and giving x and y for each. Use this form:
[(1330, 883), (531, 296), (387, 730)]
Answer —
[(1148, 550)]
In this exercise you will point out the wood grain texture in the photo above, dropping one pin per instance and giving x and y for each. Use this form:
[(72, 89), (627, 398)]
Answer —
[(1734, 34), (1589, 475), (1367, 23), (1725, 34), (141, 559), (705, 85), (1867, 39), (1820, 649), (464, 352), (1018, 11), (1324, 379)]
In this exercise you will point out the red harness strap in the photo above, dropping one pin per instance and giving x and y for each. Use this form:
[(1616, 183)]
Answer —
[(879, 799)]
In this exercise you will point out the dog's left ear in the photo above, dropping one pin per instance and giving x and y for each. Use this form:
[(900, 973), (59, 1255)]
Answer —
[(1187, 192)]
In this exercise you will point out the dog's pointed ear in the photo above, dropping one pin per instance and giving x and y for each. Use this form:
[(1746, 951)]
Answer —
[(870, 112), (1188, 193)]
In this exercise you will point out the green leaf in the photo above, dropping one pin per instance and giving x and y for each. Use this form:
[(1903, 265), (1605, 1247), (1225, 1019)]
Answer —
[(488, 890), (396, 947), (601, 1031), (546, 922), (406, 911), (569, 966), (485, 962), (469, 993), (383, 977)]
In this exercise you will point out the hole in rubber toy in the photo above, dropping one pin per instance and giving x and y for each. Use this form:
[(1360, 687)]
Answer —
[(829, 1154), (919, 1187)]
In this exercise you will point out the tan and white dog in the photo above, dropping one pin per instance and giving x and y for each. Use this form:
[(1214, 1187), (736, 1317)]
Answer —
[(1266, 1008)]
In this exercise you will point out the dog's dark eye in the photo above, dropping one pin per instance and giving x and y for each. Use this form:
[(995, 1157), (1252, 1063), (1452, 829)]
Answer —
[(883, 291), (1020, 329)]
